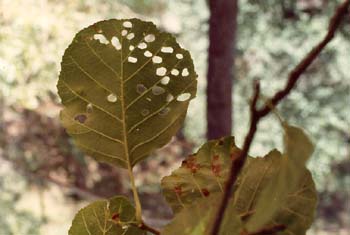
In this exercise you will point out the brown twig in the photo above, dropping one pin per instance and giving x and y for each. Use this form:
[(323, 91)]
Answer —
[(145, 227), (269, 230), (257, 114)]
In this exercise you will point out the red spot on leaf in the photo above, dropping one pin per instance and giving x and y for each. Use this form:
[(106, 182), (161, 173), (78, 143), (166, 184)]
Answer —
[(216, 165), (178, 190), (116, 217), (235, 152), (80, 118), (191, 164), (205, 192)]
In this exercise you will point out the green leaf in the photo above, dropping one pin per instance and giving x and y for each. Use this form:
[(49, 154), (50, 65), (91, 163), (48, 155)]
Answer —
[(278, 189), (201, 174), (115, 216), (198, 218), (125, 87)]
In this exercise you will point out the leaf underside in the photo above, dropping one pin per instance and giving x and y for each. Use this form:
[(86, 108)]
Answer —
[(115, 216), (275, 189), (125, 87)]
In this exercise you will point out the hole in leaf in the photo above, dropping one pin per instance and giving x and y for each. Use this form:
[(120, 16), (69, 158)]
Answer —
[(148, 54), (169, 98), (157, 59), (185, 72), (130, 36), (116, 43), (127, 24), (183, 97), (164, 111), (157, 90), (131, 48), (80, 118), (150, 38), (175, 72), (89, 108), (145, 112), (112, 98), (142, 45), (165, 80), (124, 32), (132, 59), (179, 56), (140, 88), (161, 71), (167, 50), (101, 38)]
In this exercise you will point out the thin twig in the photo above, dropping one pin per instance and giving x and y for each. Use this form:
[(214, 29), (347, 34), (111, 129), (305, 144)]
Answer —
[(257, 114), (145, 227), (269, 230)]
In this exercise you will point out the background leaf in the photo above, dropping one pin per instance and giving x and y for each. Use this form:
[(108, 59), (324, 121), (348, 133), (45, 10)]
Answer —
[(125, 87), (115, 216)]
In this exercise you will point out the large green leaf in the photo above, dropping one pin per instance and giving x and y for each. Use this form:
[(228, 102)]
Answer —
[(198, 218), (271, 196), (125, 87), (284, 192), (201, 174), (115, 216)]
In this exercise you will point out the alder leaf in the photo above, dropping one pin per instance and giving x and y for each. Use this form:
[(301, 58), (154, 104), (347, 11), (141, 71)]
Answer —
[(278, 189), (125, 87), (115, 216), (198, 218), (201, 174)]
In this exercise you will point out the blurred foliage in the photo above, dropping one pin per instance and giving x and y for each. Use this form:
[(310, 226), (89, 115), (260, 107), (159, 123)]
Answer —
[(273, 36)]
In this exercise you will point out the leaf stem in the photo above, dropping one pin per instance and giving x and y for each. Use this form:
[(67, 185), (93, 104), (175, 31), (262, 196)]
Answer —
[(145, 227), (138, 209)]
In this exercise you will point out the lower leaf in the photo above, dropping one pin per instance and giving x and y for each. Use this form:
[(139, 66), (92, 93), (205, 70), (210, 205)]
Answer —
[(115, 216)]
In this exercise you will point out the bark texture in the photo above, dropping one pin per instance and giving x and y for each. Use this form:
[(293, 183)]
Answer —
[(222, 34)]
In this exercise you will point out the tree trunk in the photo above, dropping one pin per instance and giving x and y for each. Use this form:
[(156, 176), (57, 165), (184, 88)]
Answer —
[(222, 32)]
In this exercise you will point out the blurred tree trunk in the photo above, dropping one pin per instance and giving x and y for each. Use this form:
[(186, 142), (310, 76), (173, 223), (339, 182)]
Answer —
[(222, 32)]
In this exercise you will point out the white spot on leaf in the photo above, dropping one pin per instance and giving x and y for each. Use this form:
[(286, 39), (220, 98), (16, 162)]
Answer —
[(165, 80), (101, 38), (116, 43), (161, 71), (148, 54), (179, 56), (112, 98), (131, 48), (157, 59), (167, 50), (185, 72), (183, 97), (175, 72), (89, 108), (124, 32), (142, 45), (157, 90), (169, 98), (127, 24), (130, 36), (150, 38), (132, 59)]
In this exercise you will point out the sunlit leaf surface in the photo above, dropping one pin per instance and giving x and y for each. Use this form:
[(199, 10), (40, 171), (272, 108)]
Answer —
[(125, 87), (115, 216)]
